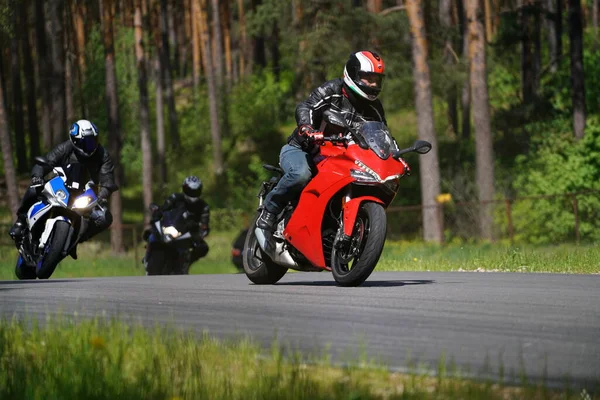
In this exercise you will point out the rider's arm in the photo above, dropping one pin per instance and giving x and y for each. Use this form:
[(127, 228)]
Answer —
[(205, 220), (54, 157), (106, 175), (170, 202), (310, 111)]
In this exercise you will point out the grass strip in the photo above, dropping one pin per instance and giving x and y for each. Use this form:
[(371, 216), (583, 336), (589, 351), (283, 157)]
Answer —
[(111, 359)]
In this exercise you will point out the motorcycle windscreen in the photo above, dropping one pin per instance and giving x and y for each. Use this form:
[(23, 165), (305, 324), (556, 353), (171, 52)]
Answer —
[(77, 176), (377, 136), (175, 218)]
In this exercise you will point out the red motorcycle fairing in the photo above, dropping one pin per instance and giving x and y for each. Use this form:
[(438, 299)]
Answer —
[(303, 231)]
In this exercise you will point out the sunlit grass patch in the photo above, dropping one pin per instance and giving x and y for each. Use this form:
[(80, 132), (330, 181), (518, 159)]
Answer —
[(109, 359)]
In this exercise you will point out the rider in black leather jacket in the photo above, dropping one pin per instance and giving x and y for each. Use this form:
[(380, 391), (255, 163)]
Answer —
[(356, 95), (198, 214), (81, 148)]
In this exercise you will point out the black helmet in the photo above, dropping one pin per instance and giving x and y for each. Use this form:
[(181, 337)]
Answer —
[(84, 136), (192, 189), (367, 66)]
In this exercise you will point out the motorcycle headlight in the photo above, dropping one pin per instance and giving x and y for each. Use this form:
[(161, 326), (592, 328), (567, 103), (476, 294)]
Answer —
[(82, 202), (171, 231), (363, 176), (61, 194)]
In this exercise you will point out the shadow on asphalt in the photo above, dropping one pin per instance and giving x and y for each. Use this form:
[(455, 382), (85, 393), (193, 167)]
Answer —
[(40, 281), (366, 284)]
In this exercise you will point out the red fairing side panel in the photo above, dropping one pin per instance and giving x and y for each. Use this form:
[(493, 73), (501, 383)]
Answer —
[(351, 211), (303, 230)]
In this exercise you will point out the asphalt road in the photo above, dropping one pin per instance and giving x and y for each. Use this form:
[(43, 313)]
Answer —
[(542, 326)]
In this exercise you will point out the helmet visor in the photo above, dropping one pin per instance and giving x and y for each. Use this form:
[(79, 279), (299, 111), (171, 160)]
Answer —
[(87, 144), (371, 79)]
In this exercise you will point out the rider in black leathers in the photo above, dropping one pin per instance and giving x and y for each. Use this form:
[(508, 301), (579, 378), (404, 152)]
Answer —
[(81, 148), (355, 95), (198, 214)]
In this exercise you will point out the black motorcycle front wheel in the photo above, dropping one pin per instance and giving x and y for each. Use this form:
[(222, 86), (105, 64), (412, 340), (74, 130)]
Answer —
[(155, 262), (352, 263), (54, 250), (259, 268)]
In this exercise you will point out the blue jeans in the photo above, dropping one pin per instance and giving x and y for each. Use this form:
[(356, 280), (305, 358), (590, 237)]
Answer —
[(298, 168)]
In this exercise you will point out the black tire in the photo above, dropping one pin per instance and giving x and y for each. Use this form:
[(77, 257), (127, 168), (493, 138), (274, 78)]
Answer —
[(54, 255), (259, 268), (24, 271), (368, 237), (155, 262)]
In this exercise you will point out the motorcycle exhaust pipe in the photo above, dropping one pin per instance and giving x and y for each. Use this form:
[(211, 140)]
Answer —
[(274, 250)]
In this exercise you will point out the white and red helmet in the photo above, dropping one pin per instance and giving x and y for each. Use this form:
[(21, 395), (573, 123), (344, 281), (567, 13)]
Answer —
[(364, 64)]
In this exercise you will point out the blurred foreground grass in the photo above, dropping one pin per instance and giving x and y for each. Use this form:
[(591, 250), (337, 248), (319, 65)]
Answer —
[(95, 259), (109, 359)]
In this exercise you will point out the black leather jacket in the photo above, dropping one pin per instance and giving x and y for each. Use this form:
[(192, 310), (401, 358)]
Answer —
[(334, 94), (199, 211), (99, 166)]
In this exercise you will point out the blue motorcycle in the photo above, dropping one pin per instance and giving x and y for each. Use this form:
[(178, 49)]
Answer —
[(56, 222)]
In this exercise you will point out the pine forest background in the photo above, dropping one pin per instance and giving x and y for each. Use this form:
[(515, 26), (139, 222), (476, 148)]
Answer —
[(508, 92)]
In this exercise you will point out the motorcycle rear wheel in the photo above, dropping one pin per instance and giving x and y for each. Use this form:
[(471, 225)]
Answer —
[(368, 238), (259, 268)]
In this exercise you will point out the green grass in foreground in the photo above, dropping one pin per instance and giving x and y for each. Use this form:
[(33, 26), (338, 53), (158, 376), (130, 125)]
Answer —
[(112, 360), (96, 260)]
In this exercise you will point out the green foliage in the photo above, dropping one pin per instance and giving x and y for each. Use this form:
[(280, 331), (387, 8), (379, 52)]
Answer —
[(558, 164)]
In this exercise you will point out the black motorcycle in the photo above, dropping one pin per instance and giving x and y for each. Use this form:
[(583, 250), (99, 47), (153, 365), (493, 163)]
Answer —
[(169, 244)]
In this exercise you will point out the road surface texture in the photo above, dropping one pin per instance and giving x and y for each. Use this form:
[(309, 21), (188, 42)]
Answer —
[(542, 326)]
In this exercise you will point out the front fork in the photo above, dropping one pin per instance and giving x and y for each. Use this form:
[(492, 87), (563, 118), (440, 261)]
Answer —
[(350, 207)]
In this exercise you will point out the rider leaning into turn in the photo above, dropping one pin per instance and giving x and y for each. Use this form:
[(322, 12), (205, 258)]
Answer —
[(355, 95), (82, 148), (198, 214)]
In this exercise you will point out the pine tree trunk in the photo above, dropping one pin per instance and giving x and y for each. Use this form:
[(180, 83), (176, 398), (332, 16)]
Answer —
[(226, 28), (80, 41), (374, 6), (45, 74), (12, 191), (114, 123), (243, 38), (28, 71), (160, 124), (218, 49), (428, 164), (69, 75), (146, 144), (173, 35), (56, 32), (577, 73), (159, 104), (595, 24), (18, 124), (212, 92), (527, 62), (195, 41), (465, 97), (484, 155), (552, 39), (168, 76), (445, 15)]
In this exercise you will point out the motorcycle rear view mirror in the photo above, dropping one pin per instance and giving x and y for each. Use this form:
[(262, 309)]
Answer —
[(42, 161), (420, 146), (335, 118)]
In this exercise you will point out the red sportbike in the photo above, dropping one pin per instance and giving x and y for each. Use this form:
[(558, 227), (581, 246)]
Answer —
[(339, 222)]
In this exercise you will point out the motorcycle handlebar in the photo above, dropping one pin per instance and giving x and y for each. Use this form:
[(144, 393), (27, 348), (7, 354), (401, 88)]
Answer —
[(334, 139)]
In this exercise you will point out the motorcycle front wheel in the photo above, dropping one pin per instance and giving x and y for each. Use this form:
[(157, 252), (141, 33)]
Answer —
[(155, 262), (352, 264), (259, 268), (53, 250)]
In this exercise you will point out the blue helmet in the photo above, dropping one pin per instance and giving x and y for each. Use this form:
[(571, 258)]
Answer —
[(84, 136)]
